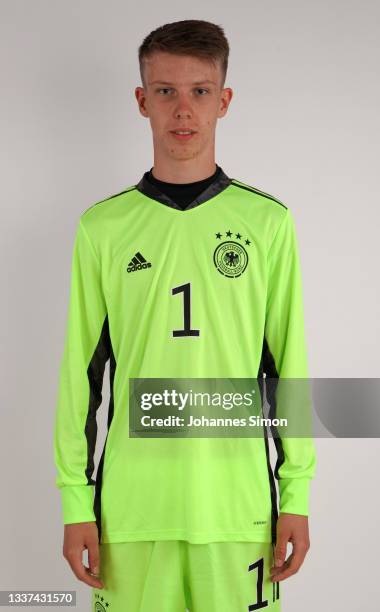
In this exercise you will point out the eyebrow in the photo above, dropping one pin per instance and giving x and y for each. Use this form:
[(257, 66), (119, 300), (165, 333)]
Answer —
[(168, 83)]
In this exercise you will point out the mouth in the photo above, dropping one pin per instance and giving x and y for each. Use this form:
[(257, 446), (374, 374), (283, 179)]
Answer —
[(183, 135)]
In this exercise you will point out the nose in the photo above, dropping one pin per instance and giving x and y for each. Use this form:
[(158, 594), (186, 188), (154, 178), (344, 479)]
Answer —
[(183, 108), (182, 113)]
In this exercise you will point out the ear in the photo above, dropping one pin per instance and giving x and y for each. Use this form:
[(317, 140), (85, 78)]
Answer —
[(226, 97), (140, 97)]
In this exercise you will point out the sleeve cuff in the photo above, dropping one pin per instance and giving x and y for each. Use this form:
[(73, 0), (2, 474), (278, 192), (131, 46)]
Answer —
[(78, 503), (294, 495)]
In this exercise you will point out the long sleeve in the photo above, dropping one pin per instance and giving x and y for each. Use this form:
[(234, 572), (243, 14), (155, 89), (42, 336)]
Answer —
[(285, 357), (86, 351)]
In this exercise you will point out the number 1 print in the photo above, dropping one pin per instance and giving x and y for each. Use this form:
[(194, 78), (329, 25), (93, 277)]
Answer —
[(186, 331), (259, 564)]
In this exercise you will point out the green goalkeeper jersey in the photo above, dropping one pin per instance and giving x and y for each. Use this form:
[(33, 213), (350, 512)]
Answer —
[(232, 254)]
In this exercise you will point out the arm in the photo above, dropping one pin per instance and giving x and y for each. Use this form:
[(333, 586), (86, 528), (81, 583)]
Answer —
[(285, 356), (86, 351)]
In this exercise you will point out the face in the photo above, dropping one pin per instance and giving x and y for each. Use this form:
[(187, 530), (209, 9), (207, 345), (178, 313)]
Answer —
[(182, 93)]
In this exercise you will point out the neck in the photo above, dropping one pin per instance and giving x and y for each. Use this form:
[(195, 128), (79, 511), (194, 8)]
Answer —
[(184, 172)]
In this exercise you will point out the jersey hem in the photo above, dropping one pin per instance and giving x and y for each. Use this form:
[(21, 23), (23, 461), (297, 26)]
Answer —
[(193, 537)]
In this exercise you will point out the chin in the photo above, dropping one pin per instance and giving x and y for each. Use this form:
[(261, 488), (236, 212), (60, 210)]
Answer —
[(183, 152), (185, 156)]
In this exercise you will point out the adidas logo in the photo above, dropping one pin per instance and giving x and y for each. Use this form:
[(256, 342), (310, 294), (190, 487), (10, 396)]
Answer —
[(138, 262)]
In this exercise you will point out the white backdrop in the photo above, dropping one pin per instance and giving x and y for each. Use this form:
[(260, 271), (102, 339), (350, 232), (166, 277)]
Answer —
[(303, 125)]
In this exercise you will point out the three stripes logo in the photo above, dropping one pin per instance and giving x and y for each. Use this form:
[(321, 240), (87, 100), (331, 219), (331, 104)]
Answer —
[(138, 262)]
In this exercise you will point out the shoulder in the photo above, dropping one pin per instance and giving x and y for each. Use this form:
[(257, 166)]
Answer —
[(258, 195), (269, 202), (270, 209), (98, 212)]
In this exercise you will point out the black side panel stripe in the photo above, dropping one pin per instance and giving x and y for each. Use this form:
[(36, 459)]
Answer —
[(270, 390), (273, 491), (255, 190), (95, 373), (268, 368), (99, 475), (272, 485)]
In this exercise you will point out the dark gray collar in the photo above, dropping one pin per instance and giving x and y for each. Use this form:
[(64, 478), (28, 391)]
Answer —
[(151, 191)]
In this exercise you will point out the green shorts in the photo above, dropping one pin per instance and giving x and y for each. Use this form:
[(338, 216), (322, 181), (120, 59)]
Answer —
[(176, 575)]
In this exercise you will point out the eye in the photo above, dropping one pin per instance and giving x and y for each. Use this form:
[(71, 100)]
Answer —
[(166, 89)]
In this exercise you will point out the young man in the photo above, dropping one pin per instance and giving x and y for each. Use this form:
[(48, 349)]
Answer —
[(181, 523)]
